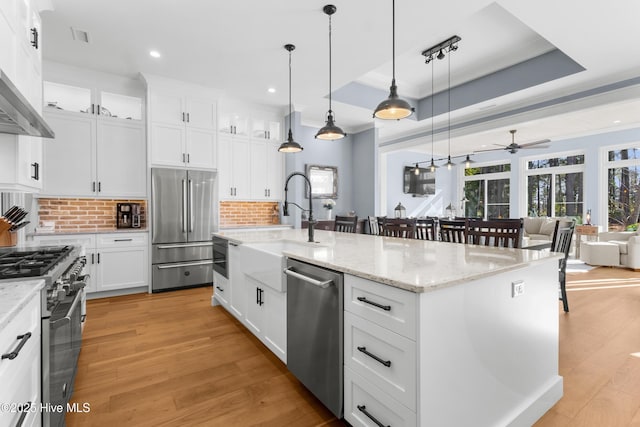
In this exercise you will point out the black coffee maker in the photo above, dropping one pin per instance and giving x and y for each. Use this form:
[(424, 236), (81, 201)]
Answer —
[(128, 215)]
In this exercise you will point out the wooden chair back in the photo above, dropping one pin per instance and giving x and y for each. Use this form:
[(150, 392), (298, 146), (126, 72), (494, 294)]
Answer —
[(561, 242), (345, 224), (399, 228), (374, 227), (452, 230), (426, 229), (505, 233)]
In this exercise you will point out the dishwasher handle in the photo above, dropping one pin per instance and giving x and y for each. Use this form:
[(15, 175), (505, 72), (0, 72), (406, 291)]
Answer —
[(322, 284)]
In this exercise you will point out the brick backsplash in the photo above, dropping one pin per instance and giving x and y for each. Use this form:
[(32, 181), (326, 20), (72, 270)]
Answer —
[(85, 214), (249, 213)]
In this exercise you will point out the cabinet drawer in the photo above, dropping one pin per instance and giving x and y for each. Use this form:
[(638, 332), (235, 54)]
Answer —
[(122, 240), (27, 320), (221, 289), (386, 359), (362, 398), (387, 306)]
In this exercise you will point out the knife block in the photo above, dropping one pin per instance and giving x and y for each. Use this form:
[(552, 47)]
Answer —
[(7, 238)]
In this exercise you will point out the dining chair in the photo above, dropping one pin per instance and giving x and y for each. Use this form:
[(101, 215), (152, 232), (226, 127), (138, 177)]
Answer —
[(561, 242), (345, 224), (452, 230), (396, 227), (374, 228), (426, 229), (504, 233)]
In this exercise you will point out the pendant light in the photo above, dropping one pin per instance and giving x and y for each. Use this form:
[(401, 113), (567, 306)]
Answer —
[(330, 131), (394, 107), (433, 166), (290, 146), (468, 161), (449, 163)]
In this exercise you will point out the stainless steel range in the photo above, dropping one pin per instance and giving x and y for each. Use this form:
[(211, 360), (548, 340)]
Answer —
[(63, 304)]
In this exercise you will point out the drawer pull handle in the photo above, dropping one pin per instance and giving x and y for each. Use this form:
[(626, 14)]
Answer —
[(386, 363), (23, 340), (122, 240), (363, 409), (219, 288), (375, 304)]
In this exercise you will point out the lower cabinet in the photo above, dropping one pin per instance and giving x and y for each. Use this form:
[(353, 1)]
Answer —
[(115, 261), (238, 297), (267, 316), (221, 290), (21, 374)]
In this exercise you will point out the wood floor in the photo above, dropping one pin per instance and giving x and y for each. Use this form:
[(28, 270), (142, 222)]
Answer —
[(173, 360)]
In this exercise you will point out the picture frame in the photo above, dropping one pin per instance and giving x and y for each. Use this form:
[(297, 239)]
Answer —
[(324, 181)]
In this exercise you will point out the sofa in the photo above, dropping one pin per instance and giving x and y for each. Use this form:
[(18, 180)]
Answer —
[(540, 227), (613, 249)]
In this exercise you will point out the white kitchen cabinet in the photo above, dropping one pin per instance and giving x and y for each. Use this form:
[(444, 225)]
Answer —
[(20, 163), (221, 290), (108, 156), (266, 315), (234, 171), (115, 261), (233, 118), (266, 172), (238, 299), (182, 131), (21, 375), (266, 125)]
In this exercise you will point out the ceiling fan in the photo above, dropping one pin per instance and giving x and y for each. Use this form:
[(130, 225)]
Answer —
[(513, 147)]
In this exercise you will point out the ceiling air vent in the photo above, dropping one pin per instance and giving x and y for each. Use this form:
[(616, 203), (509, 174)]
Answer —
[(80, 35)]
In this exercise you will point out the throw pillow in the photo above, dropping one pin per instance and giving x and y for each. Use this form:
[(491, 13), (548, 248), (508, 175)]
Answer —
[(548, 227)]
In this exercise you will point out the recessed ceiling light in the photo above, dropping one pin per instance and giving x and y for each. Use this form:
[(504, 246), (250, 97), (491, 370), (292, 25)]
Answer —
[(483, 145), (617, 121), (271, 90), (154, 54)]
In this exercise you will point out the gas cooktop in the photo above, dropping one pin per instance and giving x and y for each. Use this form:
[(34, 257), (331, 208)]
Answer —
[(30, 263)]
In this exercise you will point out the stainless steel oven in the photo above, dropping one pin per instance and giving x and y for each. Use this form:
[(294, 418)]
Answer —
[(220, 248)]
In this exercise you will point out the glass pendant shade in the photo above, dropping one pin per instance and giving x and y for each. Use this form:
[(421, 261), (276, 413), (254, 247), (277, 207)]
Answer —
[(449, 163), (416, 171), (467, 162), (394, 107), (330, 132), (433, 166)]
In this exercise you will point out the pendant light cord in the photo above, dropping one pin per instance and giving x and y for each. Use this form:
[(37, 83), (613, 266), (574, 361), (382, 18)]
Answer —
[(449, 106), (289, 91), (330, 65), (393, 42), (433, 113)]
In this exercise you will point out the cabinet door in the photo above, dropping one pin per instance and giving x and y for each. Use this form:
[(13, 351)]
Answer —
[(69, 159), (275, 321), (258, 161), (240, 168), (121, 159), (255, 316), (8, 51), (120, 268), (201, 113), (30, 161), (200, 148), (167, 144), (167, 109), (225, 178), (275, 171), (238, 300)]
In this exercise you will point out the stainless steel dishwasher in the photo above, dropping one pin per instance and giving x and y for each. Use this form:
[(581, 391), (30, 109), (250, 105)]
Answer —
[(315, 331)]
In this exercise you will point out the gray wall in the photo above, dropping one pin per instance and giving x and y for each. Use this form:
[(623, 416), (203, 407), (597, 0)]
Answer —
[(365, 171)]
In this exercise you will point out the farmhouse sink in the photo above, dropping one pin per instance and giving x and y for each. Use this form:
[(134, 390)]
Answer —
[(279, 246)]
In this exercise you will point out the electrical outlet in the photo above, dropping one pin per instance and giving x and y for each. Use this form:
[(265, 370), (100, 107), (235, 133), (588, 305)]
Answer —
[(517, 288)]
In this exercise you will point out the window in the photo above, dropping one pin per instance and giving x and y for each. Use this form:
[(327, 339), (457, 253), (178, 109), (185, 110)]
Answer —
[(487, 191), (555, 186), (623, 185)]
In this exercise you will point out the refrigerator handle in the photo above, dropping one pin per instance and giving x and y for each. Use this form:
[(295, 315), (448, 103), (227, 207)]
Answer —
[(184, 206), (191, 219)]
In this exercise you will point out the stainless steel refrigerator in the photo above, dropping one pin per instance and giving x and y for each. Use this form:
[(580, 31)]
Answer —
[(182, 220)]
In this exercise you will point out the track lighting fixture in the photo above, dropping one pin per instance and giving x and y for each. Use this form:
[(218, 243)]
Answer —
[(440, 55), (330, 131), (290, 146), (394, 107), (440, 48)]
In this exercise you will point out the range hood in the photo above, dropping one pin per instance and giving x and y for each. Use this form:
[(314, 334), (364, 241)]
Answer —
[(17, 116)]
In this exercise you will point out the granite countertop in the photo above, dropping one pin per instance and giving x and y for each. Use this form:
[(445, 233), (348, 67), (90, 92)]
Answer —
[(108, 231), (410, 264), (14, 296), (254, 227)]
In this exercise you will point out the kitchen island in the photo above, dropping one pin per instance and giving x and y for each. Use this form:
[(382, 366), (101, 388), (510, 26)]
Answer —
[(472, 330)]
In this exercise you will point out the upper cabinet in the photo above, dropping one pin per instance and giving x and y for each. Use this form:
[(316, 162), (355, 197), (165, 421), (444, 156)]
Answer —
[(251, 168), (182, 124), (102, 134), (21, 61)]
